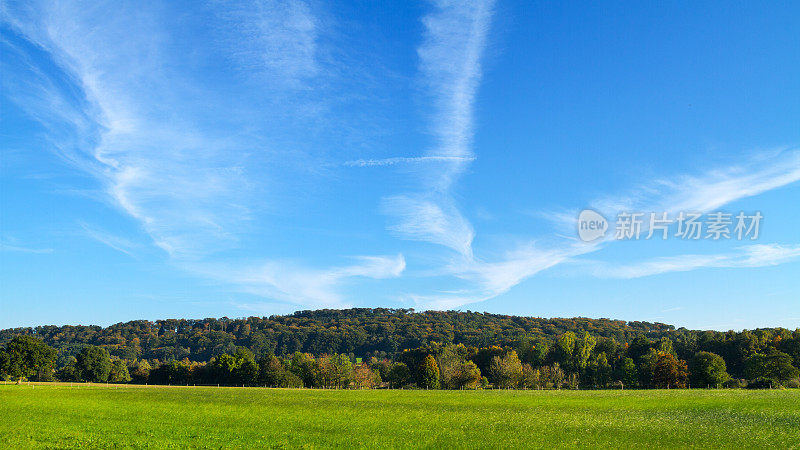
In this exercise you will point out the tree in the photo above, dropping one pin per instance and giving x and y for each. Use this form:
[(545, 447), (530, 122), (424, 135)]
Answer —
[(247, 371), (271, 371), (119, 372), (428, 376), (531, 378), (669, 372), (68, 372), (708, 369), (140, 371), (647, 367), (556, 375), (27, 357), (564, 349), (600, 370), (343, 370), (583, 351), (467, 376), (775, 365), (628, 374), (93, 364), (365, 377), (304, 367), (399, 375), (450, 362), (237, 369), (173, 372), (506, 372)]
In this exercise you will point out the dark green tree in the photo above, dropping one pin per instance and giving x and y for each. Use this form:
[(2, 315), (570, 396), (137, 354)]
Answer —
[(708, 370), (27, 357), (775, 365), (399, 375), (628, 375), (93, 364)]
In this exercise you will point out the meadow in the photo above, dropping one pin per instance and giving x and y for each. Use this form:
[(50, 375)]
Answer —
[(100, 416)]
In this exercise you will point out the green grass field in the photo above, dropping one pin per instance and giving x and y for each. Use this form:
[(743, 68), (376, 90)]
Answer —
[(58, 416)]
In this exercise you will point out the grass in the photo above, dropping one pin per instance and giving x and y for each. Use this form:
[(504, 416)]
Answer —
[(59, 416)]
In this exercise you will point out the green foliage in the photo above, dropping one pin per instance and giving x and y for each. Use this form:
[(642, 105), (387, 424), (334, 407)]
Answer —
[(455, 369), (399, 375), (506, 372), (27, 357), (775, 366), (583, 351), (467, 376), (708, 370), (598, 370), (238, 369), (628, 373), (428, 375), (565, 348), (93, 364), (531, 378), (119, 372), (140, 371), (363, 331), (320, 348), (173, 373)]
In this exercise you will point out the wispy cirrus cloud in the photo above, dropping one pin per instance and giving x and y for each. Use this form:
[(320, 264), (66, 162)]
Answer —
[(170, 143), (300, 285), (182, 184), (408, 160), (450, 71), (273, 39), (759, 255), (9, 244), (703, 192), (111, 240), (432, 218), (450, 66), (712, 189)]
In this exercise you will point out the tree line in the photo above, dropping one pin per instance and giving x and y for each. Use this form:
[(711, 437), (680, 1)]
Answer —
[(526, 353)]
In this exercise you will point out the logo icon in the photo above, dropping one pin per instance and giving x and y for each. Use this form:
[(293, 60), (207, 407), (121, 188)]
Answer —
[(591, 225)]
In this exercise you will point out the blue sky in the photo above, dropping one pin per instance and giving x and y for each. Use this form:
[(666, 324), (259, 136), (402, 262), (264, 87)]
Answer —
[(208, 159)]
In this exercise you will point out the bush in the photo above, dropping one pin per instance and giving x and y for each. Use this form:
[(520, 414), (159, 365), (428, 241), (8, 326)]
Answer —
[(793, 384), (761, 383)]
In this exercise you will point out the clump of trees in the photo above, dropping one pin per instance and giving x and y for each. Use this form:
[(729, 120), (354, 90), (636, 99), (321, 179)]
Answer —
[(27, 358), (586, 354)]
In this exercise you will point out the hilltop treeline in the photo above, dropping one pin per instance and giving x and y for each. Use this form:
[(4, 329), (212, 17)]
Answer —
[(362, 331), (402, 348)]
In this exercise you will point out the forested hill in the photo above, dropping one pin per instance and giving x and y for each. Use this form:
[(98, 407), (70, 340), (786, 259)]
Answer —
[(360, 331)]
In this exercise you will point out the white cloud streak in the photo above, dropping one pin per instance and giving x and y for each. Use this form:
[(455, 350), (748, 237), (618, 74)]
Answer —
[(115, 242), (759, 255), (450, 63), (8, 244), (408, 160), (713, 189), (450, 69), (436, 221), (299, 285)]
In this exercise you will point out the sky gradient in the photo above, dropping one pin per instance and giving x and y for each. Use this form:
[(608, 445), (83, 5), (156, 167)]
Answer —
[(209, 159)]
